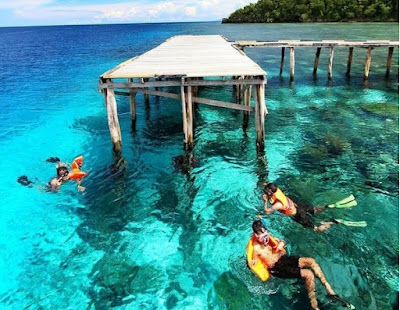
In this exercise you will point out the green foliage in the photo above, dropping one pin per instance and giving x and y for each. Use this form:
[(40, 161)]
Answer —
[(267, 11)]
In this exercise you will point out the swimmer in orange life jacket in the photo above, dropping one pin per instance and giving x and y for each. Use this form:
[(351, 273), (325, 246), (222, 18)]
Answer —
[(279, 202), (64, 175), (280, 265)]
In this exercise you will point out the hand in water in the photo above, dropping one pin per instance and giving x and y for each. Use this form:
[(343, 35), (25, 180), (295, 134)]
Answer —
[(81, 188)]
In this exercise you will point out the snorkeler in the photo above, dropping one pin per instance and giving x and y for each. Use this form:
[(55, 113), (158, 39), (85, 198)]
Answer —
[(279, 202), (266, 256), (64, 175)]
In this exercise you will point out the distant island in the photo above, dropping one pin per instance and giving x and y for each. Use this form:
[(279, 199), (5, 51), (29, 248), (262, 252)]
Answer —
[(295, 11)]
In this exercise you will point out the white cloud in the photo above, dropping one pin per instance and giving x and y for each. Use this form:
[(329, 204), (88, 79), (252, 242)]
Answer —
[(48, 12), (190, 11)]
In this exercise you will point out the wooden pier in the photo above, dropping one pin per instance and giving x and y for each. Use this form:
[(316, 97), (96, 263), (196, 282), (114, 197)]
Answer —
[(186, 63), (328, 44)]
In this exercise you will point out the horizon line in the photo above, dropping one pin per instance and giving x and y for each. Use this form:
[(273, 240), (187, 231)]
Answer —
[(107, 24)]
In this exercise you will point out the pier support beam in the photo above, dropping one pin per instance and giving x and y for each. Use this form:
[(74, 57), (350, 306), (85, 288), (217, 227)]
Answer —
[(389, 60), (112, 117), (316, 60), (187, 115), (282, 60), (349, 60), (132, 101), (292, 64), (330, 63), (247, 101), (145, 96), (368, 60), (260, 112)]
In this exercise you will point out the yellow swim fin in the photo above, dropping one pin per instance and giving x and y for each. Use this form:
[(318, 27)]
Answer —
[(344, 203)]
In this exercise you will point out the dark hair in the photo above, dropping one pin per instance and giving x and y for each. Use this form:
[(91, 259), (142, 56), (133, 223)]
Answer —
[(271, 186), (258, 226)]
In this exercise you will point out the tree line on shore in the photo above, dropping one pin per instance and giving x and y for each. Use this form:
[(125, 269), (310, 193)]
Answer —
[(287, 11)]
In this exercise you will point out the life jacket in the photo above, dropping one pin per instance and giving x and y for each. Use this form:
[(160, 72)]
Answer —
[(76, 172), (259, 268), (288, 206)]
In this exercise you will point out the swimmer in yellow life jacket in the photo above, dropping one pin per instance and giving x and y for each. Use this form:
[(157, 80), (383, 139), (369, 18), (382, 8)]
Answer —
[(277, 200), (277, 264)]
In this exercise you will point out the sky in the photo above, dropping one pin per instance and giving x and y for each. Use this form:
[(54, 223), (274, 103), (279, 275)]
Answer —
[(75, 12)]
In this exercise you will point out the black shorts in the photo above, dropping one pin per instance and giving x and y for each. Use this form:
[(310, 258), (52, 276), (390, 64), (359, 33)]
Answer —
[(302, 216), (287, 267)]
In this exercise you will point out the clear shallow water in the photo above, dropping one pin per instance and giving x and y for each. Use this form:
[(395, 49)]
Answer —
[(152, 235)]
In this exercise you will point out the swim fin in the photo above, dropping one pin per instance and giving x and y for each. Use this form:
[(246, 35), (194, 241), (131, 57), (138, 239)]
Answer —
[(350, 223), (345, 303), (344, 203)]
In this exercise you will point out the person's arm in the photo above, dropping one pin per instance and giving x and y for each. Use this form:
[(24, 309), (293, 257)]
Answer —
[(256, 255), (80, 188), (275, 207)]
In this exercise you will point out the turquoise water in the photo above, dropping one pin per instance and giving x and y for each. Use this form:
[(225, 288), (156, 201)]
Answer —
[(150, 234)]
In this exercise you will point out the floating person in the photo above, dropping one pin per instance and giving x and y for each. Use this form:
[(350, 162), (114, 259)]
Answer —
[(266, 257), (277, 200), (64, 175)]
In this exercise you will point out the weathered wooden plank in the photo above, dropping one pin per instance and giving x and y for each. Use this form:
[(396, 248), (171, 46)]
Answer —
[(132, 103), (192, 56), (216, 103), (179, 83)]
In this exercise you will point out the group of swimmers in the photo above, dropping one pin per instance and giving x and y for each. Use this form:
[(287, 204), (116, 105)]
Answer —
[(266, 255)]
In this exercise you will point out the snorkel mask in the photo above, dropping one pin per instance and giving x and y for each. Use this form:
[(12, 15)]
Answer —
[(62, 170), (263, 238)]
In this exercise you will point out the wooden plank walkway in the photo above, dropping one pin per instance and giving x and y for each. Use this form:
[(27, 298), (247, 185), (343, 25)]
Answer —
[(187, 62), (189, 56), (331, 44)]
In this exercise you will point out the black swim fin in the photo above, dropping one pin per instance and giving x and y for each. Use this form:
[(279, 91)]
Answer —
[(345, 303)]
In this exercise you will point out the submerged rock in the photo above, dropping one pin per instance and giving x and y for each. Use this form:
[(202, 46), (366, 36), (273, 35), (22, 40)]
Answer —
[(230, 293), (335, 145), (382, 109)]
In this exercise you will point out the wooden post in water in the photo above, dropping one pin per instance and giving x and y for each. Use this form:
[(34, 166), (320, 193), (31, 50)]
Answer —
[(330, 63), (187, 115), (247, 101), (260, 115), (145, 96), (316, 60), (184, 114), (349, 60), (292, 64), (389, 60), (132, 101), (112, 117), (368, 60), (282, 61)]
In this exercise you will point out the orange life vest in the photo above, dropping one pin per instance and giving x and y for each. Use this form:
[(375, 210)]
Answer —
[(76, 172), (288, 206)]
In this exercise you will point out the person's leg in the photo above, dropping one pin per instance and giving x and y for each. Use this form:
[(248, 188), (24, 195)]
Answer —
[(324, 226), (311, 263), (309, 284), (319, 209)]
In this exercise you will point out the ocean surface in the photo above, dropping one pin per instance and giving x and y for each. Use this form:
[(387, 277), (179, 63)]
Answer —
[(154, 231)]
